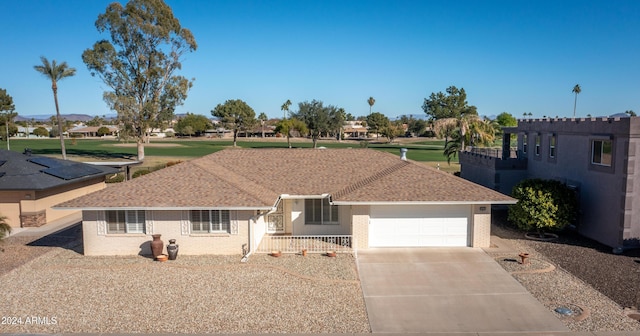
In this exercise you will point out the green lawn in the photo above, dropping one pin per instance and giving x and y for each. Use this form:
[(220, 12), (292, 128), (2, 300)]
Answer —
[(423, 150)]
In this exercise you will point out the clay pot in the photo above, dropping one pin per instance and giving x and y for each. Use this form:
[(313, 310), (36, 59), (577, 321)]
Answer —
[(156, 245), (276, 253), (523, 257), (304, 252), (162, 257), (331, 254)]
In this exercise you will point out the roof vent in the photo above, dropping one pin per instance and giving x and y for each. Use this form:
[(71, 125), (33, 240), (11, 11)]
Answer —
[(27, 151), (403, 154)]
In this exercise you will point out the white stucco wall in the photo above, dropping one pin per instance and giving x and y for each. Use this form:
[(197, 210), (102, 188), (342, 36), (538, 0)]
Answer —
[(171, 225)]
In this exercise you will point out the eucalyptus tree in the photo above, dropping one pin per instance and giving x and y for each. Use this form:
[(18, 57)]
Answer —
[(235, 114), (56, 72), (576, 89), (371, 101), (139, 64), (7, 109)]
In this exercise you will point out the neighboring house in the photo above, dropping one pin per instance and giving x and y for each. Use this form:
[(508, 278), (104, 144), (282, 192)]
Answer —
[(598, 157), (239, 200), (92, 131), (31, 184)]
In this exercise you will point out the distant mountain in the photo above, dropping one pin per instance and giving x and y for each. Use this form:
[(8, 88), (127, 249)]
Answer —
[(72, 117)]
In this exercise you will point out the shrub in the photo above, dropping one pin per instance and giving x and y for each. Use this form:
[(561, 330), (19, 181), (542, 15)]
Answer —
[(543, 205), (139, 173)]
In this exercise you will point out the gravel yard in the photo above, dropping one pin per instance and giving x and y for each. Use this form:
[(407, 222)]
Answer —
[(204, 294), (577, 273)]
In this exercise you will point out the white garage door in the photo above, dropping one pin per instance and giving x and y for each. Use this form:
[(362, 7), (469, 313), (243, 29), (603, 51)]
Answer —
[(409, 225)]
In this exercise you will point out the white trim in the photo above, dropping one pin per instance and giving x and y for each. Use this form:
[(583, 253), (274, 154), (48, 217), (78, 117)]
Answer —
[(421, 202), (161, 208), (287, 196)]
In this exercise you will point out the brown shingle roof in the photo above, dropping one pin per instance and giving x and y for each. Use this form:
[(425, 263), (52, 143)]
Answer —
[(254, 178)]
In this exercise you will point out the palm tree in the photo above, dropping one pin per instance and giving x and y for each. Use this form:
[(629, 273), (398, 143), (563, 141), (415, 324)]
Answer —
[(576, 90), (371, 101), (56, 72), (5, 229), (285, 108), (263, 118), (469, 129)]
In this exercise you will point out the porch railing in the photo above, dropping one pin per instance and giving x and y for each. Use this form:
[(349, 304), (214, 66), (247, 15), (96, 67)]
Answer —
[(313, 244), (492, 152)]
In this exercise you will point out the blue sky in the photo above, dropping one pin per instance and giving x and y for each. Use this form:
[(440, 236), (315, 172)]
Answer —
[(513, 56)]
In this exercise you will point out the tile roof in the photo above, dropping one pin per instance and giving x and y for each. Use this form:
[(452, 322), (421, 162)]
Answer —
[(254, 178), (20, 171)]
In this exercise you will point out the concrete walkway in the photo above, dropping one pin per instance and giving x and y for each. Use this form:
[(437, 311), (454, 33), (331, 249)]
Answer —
[(447, 290)]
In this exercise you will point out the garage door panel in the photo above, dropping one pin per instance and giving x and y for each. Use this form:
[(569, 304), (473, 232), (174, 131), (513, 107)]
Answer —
[(412, 226)]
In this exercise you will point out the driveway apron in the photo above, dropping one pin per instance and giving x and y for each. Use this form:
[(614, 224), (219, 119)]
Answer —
[(446, 290)]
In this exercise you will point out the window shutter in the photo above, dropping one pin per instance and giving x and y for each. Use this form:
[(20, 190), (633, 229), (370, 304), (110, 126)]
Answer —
[(184, 223), (149, 222), (233, 221), (101, 224)]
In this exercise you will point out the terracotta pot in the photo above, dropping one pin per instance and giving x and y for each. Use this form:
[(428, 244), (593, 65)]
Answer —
[(162, 257), (331, 254), (304, 252), (276, 253), (524, 257), (156, 245)]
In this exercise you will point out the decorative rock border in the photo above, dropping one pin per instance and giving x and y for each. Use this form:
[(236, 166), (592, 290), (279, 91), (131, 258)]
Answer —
[(536, 236)]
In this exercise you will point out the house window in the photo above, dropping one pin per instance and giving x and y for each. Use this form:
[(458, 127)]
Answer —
[(524, 143), (210, 221), (319, 211), (552, 146), (601, 151), (537, 144), (125, 221)]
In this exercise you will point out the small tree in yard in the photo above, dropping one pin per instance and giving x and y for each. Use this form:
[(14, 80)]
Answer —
[(543, 205), (104, 130)]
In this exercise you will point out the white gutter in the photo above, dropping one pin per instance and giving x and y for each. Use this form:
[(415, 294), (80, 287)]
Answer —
[(162, 208), (422, 202), (287, 196)]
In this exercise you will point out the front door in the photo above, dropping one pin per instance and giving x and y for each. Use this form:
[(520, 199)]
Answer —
[(275, 220)]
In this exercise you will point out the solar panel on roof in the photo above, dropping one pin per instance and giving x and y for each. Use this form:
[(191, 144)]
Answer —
[(45, 161), (75, 171)]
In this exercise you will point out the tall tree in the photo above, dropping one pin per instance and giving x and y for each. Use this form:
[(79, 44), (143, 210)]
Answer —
[(285, 108), (56, 72), (505, 119), (139, 64), (6, 108), (576, 89), (452, 105), (377, 122), (371, 101), (316, 117), (235, 114), (263, 119)]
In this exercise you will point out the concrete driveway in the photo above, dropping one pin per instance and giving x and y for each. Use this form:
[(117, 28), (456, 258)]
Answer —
[(446, 290)]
